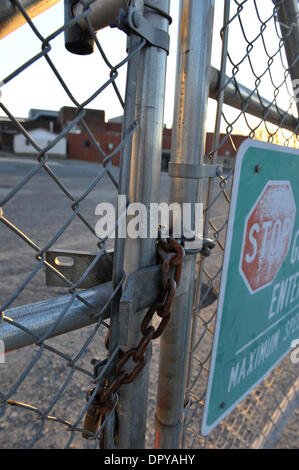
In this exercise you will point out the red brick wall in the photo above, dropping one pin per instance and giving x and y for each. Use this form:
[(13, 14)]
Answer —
[(77, 149), (167, 133), (94, 118), (110, 133), (227, 146)]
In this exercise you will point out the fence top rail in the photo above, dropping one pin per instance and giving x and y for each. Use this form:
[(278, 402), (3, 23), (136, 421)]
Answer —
[(11, 18), (240, 97)]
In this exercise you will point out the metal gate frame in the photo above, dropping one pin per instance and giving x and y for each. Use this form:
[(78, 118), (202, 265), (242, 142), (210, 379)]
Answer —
[(196, 81)]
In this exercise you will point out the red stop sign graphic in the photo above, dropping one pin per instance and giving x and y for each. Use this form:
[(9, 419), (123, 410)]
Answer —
[(267, 235)]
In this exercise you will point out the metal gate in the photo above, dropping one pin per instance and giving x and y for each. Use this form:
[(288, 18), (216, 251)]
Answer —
[(63, 288)]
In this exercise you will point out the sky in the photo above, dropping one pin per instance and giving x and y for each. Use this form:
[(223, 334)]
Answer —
[(37, 87)]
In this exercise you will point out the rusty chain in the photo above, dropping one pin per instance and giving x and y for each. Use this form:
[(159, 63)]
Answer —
[(171, 254)]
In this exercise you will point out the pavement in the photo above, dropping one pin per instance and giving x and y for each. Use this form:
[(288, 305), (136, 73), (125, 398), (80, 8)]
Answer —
[(38, 210)]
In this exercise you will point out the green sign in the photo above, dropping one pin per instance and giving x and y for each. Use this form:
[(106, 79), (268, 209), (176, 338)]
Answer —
[(258, 309)]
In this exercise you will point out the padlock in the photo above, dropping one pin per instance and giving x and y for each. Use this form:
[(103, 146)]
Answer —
[(96, 413), (92, 421)]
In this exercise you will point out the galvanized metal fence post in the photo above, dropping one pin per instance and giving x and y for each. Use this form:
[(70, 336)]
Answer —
[(210, 188), (123, 189), (226, 88), (188, 145), (144, 188), (288, 17)]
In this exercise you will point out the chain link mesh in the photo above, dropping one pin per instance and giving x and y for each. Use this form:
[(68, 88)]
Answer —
[(44, 386), (260, 64)]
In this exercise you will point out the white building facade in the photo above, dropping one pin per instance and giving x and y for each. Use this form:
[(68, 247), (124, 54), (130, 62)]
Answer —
[(43, 138)]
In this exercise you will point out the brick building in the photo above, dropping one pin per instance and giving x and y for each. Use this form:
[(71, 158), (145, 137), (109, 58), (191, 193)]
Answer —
[(107, 134), (37, 119), (7, 133), (79, 143)]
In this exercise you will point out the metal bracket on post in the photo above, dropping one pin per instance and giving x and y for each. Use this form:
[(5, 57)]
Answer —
[(141, 26), (142, 289), (189, 171), (73, 265)]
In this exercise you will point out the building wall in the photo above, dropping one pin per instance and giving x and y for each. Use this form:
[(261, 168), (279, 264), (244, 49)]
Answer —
[(108, 134), (81, 147), (79, 144), (228, 150), (8, 129), (42, 137), (6, 140), (94, 118)]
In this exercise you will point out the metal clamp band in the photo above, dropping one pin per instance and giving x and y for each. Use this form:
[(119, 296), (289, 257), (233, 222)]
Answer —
[(154, 36), (184, 170)]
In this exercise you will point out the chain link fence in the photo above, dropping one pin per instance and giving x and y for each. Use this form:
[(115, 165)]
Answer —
[(43, 386), (46, 384), (261, 75)]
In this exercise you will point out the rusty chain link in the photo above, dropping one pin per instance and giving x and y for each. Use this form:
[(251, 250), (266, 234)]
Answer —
[(171, 253)]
